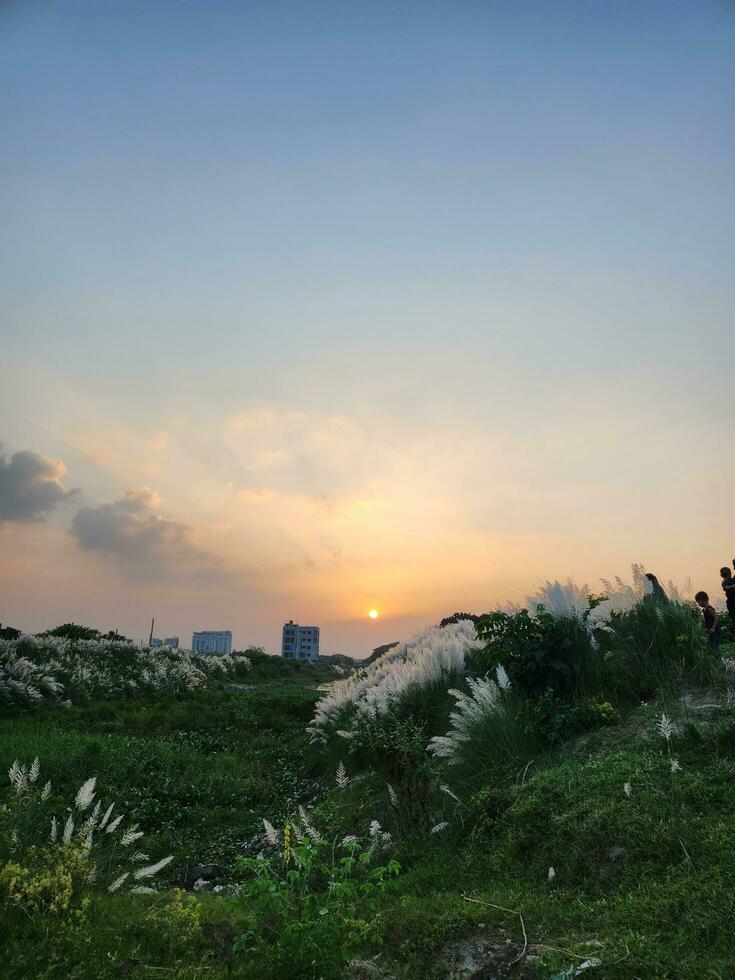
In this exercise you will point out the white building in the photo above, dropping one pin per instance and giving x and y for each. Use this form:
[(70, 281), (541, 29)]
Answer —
[(212, 641), (300, 642), (170, 641)]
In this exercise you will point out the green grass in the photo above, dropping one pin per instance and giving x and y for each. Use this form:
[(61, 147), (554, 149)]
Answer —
[(644, 882), (199, 772)]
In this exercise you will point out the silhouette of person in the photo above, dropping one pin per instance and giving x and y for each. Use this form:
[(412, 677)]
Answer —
[(657, 594), (728, 587), (711, 619)]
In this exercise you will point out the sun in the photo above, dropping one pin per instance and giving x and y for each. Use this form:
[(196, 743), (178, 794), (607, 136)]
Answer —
[(373, 614)]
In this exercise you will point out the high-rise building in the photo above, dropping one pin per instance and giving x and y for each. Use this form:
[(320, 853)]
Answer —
[(212, 641), (300, 642)]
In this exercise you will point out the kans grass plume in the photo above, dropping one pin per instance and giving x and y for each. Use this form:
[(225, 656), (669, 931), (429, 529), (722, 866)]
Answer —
[(434, 657)]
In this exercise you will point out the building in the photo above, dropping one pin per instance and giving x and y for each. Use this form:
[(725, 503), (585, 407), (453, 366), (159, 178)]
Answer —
[(212, 641), (300, 642), (171, 641)]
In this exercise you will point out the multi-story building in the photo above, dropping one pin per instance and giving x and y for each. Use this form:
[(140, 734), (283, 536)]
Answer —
[(300, 642), (171, 641), (212, 641)]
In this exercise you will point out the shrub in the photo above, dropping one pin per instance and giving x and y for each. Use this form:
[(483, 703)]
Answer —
[(177, 922), (540, 652), (552, 720), (312, 904)]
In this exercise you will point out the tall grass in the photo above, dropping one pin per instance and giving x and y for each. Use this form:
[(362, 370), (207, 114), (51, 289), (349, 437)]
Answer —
[(34, 669), (655, 648), (486, 728)]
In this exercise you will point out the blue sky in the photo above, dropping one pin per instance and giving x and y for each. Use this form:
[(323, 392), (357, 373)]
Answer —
[(478, 254)]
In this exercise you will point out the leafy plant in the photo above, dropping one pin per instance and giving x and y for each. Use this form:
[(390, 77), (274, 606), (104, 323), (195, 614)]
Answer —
[(539, 652), (313, 905), (552, 720)]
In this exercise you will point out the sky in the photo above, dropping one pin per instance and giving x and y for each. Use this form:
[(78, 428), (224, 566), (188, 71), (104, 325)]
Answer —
[(316, 308)]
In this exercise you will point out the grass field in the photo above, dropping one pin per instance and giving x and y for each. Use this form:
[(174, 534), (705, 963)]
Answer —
[(642, 849)]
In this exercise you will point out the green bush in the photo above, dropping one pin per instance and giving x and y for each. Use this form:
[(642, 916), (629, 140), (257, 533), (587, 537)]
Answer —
[(539, 653), (552, 720), (313, 905)]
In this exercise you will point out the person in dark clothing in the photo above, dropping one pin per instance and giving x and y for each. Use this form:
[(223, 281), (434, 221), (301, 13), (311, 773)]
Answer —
[(710, 618), (657, 594), (728, 587)]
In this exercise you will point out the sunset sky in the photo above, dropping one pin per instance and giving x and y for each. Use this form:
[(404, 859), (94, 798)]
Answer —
[(316, 308)]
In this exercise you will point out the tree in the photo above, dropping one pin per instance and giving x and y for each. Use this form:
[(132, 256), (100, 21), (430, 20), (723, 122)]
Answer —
[(73, 631)]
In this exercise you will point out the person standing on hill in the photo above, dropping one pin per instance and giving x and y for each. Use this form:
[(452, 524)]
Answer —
[(728, 587), (711, 619), (657, 593)]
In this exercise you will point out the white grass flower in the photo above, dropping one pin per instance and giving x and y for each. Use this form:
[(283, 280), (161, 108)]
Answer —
[(118, 882), (18, 777), (270, 832), (449, 792), (131, 835), (378, 835), (112, 827), (551, 874), (86, 794), (68, 830), (349, 841), (46, 791), (343, 780), (108, 813), (152, 869), (502, 677), (439, 827), (14, 772), (52, 838), (139, 856), (35, 770), (314, 835), (433, 658), (665, 728), (567, 600), (675, 766), (142, 890), (628, 790), (392, 796)]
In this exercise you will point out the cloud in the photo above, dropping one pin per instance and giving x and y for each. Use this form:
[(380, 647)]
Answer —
[(135, 501), (30, 486), (126, 531)]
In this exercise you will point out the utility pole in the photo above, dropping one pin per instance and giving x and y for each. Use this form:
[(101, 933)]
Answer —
[(150, 638)]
